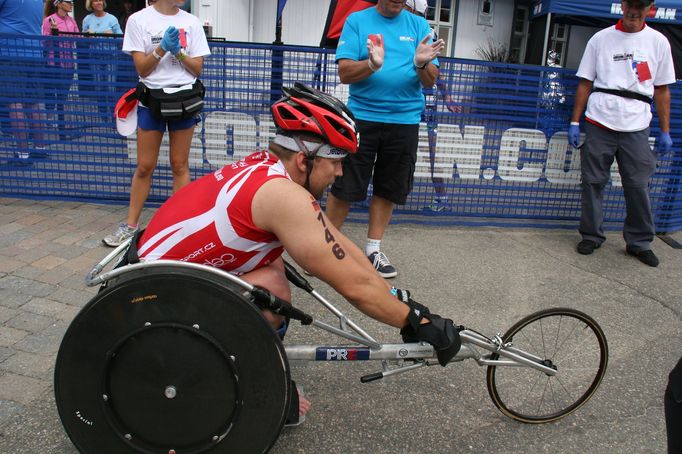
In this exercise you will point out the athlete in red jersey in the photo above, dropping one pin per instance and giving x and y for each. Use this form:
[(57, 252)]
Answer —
[(243, 216), (210, 222)]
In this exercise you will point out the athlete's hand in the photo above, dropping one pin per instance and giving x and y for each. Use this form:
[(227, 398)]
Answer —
[(574, 135), (375, 52), (426, 52), (665, 142), (171, 40)]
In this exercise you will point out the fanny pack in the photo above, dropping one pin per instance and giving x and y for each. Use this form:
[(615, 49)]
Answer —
[(177, 103), (624, 94)]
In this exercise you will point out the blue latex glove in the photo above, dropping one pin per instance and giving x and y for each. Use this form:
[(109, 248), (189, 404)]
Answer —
[(171, 40), (665, 142), (574, 135)]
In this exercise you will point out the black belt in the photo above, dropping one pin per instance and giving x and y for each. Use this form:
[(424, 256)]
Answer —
[(624, 94)]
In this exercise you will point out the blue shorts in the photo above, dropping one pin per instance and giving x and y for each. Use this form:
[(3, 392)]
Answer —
[(147, 121)]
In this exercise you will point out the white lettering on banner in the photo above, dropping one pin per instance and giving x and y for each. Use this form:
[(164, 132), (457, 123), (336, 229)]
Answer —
[(231, 136), (463, 151), (557, 153), (658, 13), (515, 141)]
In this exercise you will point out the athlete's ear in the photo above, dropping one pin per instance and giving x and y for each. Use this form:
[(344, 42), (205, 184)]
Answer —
[(301, 162)]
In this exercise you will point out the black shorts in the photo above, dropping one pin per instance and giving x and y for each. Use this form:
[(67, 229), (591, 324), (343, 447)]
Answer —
[(389, 151)]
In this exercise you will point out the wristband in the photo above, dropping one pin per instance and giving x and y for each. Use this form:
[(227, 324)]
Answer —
[(422, 66), (181, 55), (575, 123), (157, 56)]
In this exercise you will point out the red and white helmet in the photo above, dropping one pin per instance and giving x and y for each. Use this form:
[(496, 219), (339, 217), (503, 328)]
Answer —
[(306, 110)]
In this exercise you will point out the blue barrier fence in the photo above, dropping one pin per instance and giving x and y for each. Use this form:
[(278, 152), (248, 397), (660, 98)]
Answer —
[(497, 131)]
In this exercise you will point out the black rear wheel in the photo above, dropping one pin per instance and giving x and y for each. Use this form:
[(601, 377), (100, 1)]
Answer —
[(168, 359), (565, 339)]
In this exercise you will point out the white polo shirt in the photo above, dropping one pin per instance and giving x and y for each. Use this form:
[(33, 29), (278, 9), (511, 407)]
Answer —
[(619, 60)]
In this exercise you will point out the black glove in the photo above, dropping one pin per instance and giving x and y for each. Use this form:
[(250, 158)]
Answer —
[(441, 332)]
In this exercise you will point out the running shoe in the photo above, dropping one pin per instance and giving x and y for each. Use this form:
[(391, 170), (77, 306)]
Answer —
[(122, 233), (383, 266)]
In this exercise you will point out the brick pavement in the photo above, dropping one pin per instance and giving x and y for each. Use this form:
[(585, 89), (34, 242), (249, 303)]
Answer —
[(46, 248)]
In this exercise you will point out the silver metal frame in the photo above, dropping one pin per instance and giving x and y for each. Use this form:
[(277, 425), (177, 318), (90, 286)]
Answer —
[(403, 357)]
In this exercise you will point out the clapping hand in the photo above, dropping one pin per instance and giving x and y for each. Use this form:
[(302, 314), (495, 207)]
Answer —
[(171, 40), (375, 52), (426, 52)]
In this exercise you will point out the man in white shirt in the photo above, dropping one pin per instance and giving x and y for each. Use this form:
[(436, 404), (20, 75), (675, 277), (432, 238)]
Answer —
[(624, 68)]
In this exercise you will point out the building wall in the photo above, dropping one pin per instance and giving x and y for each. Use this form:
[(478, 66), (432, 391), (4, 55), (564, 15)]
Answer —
[(470, 36), (254, 20)]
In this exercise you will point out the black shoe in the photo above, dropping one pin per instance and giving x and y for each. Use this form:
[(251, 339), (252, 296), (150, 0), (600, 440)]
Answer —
[(646, 256), (586, 247)]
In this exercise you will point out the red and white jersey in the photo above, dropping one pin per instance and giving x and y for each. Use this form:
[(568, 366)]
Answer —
[(209, 221)]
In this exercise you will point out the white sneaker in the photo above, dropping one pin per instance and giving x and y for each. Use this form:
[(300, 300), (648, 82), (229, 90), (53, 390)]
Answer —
[(122, 233)]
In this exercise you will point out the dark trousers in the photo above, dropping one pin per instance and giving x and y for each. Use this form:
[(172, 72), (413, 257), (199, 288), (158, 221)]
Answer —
[(636, 164)]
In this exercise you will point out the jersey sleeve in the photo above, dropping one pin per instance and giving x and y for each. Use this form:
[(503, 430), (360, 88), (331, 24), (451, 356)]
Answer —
[(115, 26), (133, 40), (588, 69), (665, 74), (198, 42)]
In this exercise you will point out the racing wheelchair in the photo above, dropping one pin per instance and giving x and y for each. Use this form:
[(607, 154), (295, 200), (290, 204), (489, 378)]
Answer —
[(174, 357)]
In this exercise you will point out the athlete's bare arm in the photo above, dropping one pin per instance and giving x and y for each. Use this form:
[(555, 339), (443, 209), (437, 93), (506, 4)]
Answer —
[(289, 211)]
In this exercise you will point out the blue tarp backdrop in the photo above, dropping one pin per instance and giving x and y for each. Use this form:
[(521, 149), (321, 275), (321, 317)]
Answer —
[(664, 11), (494, 147)]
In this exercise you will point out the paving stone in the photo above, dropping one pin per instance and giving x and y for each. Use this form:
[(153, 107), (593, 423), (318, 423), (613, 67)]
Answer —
[(6, 352), (29, 272), (7, 313), (29, 321), (29, 364), (10, 336), (10, 240), (44, 306), (68, 314), (81, 265), (54, 276), (25, 286), (46, 341), (11, 299), (28, 255), (9, 264), (11, 227), (9, 411), (32, 219), (48, 262), (70, 296), (67, 251), (21, 389)]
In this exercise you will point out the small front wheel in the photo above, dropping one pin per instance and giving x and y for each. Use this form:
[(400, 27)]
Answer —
[(565, 339)]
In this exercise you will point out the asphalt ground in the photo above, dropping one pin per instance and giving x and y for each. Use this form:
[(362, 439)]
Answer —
[(484, 278)]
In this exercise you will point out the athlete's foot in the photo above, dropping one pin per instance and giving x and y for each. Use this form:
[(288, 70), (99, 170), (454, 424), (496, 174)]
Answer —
[(303, 407)]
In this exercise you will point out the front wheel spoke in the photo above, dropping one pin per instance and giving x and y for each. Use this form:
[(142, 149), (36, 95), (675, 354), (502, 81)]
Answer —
[(542, 398)]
